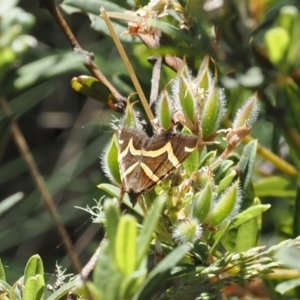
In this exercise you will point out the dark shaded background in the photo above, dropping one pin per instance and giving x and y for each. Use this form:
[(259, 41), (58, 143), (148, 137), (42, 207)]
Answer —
[(66, 133)]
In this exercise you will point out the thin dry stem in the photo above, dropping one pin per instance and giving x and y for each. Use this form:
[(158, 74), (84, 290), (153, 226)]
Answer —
[(127, 64), (41, 186)]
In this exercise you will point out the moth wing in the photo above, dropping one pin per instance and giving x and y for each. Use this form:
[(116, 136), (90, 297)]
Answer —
[(166, 151)]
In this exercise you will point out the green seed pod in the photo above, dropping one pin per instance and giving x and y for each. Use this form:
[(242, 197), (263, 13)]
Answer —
[(247, 114), (213, 111), (184, 95), (202, 79), (109, 161), (130, 119), (202, 202), (227, 205), (226, 181), (187, 230), (163, 110)]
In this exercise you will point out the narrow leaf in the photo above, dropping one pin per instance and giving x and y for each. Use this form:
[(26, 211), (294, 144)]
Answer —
[(89, 289), (248, 214), (12, 294), (112, 222), (34, 288), (106, 276), (64, 290), (109, 161), (149, 224), (33, 267), (9, 202), (246, 166), (161, 273), (2, 272), (246, 236), (287, 285), (126, 245), (276, 186)]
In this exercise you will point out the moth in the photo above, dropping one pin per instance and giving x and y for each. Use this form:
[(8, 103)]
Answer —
[(144, 161)]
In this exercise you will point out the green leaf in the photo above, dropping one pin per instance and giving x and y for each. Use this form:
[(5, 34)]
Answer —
[(248, 214), (160, 273), (289, 20), (289, 256), (92, 9), (34, 288), (202, 202), (287, 285), (91, 87), (210, 115), (207, 159), (275, 186), (132, 282), (32, 97), (47, 67), (149, 224), (2, 272), (9, 202), (90, 6), (109, 188), (202, 250), (33, 267), (191, 163), (242, 231), (106, 276), (186, 96), (12, 294), (221, 169), (246, 237), (126, 245), (178, 37), (225, 205), (277, 42), (65, 289), (245, 167), (110, 163), (163, 110), (226, 181), (89, 289), (112, 223), (202, 79), (115, 192)]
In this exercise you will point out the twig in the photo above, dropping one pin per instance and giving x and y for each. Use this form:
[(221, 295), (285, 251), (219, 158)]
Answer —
[(89, 267), (119, 102)]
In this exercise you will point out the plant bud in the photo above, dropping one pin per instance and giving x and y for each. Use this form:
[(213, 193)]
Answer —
[(227, 206), (109, 161), (202, 202)]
